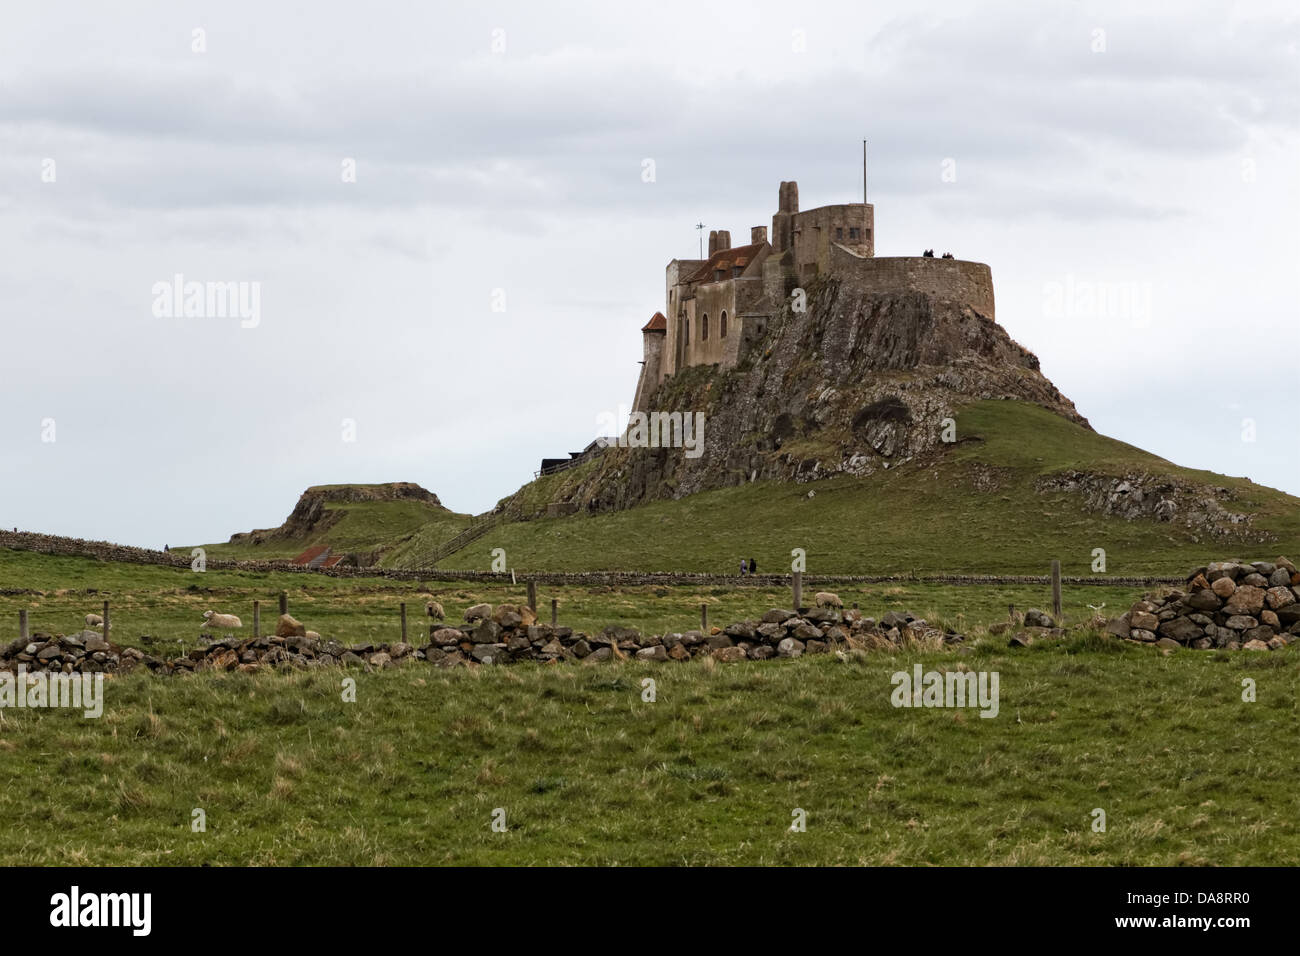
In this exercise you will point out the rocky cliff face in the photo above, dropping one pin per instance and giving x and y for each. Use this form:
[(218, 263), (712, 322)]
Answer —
[(858, 382), (310, 516)]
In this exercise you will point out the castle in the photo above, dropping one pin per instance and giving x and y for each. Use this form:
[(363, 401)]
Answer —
[(716, 307)]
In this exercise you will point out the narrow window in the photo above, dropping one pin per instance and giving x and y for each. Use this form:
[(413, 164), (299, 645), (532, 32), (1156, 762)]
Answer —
[(722, 325), (839, 232), (704, 327)]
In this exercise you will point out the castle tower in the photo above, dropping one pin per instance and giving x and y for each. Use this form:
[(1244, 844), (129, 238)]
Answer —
[(653, 334)]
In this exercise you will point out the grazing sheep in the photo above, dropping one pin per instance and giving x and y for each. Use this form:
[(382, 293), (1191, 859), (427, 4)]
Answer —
[(94, 620), (226, 622), (434, 610), (827, 599), (312, 634)]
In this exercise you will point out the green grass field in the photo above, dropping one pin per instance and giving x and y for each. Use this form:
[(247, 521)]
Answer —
[(587, 772), (167, 604)]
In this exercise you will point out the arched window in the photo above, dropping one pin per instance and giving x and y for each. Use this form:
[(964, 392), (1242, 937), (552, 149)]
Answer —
[(722, 325), (704, 327)]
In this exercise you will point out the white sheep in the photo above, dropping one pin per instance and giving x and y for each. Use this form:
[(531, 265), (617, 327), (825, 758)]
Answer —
[(94, 620), (226, 622), (828, 599), (434, 610)]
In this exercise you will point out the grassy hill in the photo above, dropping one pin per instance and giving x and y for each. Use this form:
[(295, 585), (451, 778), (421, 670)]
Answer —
[(364, 526), (974, 507)]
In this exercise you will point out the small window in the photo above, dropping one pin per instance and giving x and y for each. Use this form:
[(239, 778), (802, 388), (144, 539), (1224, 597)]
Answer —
[(704, 327), (839, 232), (853, 232), (722, 326)]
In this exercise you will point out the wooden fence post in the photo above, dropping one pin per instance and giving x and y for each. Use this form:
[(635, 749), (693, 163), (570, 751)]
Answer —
[(257, 619), (798, 590), (532, 596), (555, 610), (1056, 592), (403, 622), (704, 618), (22, 626), (284, 602), (105, 620)]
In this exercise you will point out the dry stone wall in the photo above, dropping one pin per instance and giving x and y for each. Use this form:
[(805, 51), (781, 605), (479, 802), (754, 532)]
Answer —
[(1228, 604), (490, 635)]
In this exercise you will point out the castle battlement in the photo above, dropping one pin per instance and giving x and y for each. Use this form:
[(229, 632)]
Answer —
[(717, 306)]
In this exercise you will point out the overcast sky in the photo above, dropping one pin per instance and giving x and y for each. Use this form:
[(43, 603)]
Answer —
[(501, 159)]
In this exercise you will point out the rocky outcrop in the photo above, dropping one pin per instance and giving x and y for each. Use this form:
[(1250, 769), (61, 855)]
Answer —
[(1194, 505), (1227, 604), (310, 516), (857, 383)]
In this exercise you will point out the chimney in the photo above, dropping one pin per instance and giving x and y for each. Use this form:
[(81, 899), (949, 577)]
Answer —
[(713, 242), (757, 234), (787, 205), (724, 240), (788, 197)]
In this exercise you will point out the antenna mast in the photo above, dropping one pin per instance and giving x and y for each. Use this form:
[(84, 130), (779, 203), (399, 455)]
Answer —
[(699, 227), (864, 194)]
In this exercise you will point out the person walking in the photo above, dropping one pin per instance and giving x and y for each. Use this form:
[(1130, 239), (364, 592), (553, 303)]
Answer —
[(742, 567), (753, 567)]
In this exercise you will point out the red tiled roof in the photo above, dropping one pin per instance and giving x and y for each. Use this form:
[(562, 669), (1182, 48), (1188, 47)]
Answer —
[(657, 323), (724, 260), (332, 560), (311, 554)]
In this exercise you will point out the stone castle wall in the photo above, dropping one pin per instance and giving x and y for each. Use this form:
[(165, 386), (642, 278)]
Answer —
[(957, 280), (817, 231)]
